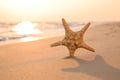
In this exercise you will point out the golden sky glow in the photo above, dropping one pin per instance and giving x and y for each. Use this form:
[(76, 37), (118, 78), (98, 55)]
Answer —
[(54, 10)]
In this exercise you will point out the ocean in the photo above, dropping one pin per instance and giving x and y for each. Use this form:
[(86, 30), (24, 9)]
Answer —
[(46, 30), (28, 31)]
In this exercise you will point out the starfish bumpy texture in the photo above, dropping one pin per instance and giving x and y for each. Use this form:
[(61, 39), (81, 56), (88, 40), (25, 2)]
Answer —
[(73, 40)]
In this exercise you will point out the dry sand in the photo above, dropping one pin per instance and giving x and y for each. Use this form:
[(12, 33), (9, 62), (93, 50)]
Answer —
[(38, 61)]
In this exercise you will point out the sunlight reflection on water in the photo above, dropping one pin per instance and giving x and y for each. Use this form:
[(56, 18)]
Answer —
[(29, 39), (26, 27)]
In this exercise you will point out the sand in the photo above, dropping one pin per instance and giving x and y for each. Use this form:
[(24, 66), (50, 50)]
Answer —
[(36, 60)]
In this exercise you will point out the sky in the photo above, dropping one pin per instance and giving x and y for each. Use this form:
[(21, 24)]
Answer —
[(54, 10)]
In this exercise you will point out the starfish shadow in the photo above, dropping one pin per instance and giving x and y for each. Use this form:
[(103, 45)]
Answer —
[(98, 68), (69, 57)]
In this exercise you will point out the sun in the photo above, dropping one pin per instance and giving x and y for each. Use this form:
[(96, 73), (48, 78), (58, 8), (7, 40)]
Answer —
[(25, 28)]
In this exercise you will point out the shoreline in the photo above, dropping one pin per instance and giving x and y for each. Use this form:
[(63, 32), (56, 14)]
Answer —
[(26, 39)]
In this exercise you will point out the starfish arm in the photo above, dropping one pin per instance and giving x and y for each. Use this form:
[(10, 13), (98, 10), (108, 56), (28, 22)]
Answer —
[(82, 31), (85, 46), (56, 44), (71, 52), (66, 27)]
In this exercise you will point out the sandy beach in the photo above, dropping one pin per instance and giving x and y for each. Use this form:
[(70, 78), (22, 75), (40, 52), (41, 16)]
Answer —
[(36, 60)]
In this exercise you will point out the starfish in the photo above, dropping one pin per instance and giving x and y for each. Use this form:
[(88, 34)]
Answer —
[(73, 40)]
